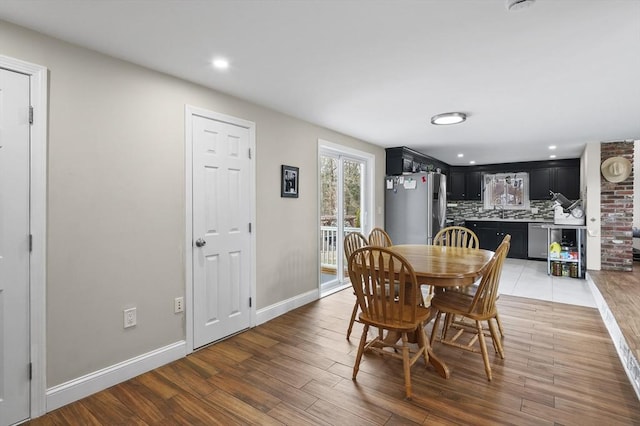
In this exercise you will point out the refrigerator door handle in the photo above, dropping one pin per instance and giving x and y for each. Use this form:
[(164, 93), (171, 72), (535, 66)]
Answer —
[(442, 202)]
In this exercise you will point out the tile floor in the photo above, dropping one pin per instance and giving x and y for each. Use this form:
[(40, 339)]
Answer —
[(528, 278)]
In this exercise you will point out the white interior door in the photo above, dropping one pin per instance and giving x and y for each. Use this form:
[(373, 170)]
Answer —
[(221, 247), (14, 247)]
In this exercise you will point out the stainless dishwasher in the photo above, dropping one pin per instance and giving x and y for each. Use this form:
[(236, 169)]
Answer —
[(538, 245)]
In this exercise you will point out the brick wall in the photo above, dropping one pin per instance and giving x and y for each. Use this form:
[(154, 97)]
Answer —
[(616, 202)]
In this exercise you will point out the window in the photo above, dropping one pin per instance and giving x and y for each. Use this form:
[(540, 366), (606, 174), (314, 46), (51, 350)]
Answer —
[(506, 190)]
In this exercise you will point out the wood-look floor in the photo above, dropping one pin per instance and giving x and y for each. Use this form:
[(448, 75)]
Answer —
[(560, 368)]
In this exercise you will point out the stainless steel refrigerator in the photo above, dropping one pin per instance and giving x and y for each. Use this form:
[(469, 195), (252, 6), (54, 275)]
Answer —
[(415, 207)]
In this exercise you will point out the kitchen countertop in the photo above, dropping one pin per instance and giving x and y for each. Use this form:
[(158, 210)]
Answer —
[(507, 219)]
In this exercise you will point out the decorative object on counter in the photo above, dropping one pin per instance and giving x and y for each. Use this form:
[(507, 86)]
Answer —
[(565, 211), (616, 169), (289, 181)]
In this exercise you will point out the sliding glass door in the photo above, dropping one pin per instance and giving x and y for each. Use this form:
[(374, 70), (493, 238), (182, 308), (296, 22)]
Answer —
[(343, 209)]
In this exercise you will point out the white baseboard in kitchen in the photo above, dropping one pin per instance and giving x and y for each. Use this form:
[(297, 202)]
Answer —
[(79, 388)]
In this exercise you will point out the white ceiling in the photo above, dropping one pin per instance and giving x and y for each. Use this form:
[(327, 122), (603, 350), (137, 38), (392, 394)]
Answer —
[(561, 72)]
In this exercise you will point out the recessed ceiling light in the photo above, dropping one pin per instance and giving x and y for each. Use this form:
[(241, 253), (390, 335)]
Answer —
[(460, 155), (552, 156), (552, 147), (449, 118), (221, 63), (472, 162)]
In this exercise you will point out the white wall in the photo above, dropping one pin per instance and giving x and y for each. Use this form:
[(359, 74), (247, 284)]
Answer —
[(116, 202), (590, 169)]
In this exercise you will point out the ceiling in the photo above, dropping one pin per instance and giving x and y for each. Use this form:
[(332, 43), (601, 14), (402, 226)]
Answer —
[(561, 72)]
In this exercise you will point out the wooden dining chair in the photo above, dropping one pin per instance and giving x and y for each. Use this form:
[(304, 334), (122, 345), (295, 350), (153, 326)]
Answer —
[(352, 242), (456, 236), (381, 307), (477, 308), (379, 237), (460, 236)]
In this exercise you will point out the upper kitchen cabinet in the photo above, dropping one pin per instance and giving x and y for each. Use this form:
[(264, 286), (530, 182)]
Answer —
[(567, 182), (540, 183), (473, 182), (464, 184), (457, 184), (405, 160), (564, 179)]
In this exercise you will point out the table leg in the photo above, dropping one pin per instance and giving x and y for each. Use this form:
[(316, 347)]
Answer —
[(441, 368)]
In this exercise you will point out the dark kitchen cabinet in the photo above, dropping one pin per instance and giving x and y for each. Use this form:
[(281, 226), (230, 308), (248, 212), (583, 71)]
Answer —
[(563, 179), (464, 185), (491, 233), (473, 186), (457, 186), (401, 160), (519, 232), (487, 232), (540, 184), (567, 182)]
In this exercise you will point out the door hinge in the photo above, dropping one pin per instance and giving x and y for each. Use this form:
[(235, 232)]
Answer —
[(30, 370), (30, 243), (249, 153), (30, 115), (249, 227), (249, 302)]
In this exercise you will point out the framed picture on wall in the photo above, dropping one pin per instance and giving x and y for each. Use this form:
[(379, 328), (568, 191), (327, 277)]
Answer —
[(289, 181)]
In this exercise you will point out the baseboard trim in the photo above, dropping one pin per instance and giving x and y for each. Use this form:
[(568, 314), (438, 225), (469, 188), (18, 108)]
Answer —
[(629, 361), (270, 312), (91, 383)]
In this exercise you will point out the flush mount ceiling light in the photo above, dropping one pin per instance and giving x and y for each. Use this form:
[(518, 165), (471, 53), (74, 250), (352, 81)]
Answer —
[(449, 118), (519, 4)]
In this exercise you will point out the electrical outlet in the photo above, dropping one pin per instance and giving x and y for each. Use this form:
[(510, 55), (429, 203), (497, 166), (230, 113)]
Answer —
[(130, 317), (178, 305)]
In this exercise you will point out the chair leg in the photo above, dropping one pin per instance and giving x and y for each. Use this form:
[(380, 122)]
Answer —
[(496, 339), (363, 342), (483, 348), (499, 324), (353, 319), (448, 320), (434, 331), (406, 365)]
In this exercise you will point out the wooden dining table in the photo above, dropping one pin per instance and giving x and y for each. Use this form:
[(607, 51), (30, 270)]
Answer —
[(442, 267)]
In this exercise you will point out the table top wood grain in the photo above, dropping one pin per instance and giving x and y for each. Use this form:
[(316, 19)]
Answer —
[(445, 266)]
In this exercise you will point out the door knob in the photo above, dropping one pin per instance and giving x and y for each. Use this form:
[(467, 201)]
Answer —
[(200, 242)]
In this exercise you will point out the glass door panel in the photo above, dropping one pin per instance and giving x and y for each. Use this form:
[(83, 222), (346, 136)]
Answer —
[(328, 219), (352, 180), (341, 212)]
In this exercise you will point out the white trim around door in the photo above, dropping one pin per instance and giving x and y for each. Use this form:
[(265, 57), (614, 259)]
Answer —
[(38, 227), (190, 112)]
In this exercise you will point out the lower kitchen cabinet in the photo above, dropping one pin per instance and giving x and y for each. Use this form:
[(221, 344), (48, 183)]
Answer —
[(491, 234)]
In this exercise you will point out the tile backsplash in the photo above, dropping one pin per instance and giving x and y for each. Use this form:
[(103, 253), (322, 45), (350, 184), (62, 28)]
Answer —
[(466, 209)]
